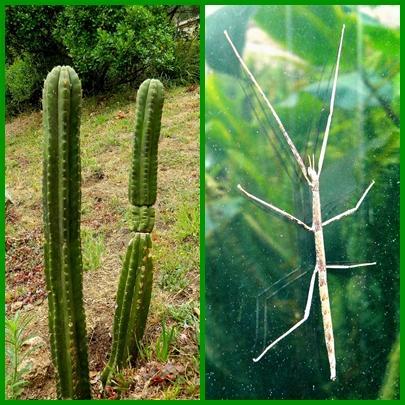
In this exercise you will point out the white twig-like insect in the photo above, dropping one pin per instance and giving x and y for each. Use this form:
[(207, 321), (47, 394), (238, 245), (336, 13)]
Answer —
[(311, 175)]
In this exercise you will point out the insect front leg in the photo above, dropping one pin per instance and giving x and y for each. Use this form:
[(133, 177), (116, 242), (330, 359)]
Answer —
[(352, 210), (272, 207)]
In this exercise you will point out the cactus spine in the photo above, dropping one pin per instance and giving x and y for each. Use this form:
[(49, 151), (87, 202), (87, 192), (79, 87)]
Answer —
[(135, 284), (61, 205)]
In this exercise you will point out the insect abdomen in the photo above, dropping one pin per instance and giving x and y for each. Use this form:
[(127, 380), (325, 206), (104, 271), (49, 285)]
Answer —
[(327, 323)]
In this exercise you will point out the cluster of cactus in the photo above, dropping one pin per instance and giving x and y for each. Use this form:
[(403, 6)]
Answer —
[(135, 284), (61, 207)]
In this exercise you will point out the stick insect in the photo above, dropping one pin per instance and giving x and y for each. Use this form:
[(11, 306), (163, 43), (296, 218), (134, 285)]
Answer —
[(311, 175)]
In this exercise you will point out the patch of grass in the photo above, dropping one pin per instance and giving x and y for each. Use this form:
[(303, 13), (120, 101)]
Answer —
[(174, 280), (173, 391), (187, 221), (87, 207), (116, 205), (90, 164), (192, 390), (163, 345), (182, 219), (111, 139), (145, 351), (173, 273), (16, 338), (120, 382), (183, 313), (164, 341), (92, 249), (100, 119)]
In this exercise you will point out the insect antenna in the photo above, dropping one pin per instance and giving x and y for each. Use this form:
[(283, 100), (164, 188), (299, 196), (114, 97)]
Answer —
[(320, 117), (287, 138), (273, 135), (323, 113), (331, 104)]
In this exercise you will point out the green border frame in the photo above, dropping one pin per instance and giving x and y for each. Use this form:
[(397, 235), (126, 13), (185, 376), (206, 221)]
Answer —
[(202, 165), (2, 196), (202, 202)]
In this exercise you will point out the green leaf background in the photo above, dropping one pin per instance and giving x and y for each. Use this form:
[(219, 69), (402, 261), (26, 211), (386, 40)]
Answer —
[(248, 250)]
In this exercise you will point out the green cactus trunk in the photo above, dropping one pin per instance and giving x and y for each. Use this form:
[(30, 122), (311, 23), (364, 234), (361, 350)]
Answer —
[(61, 207), (135, 284)]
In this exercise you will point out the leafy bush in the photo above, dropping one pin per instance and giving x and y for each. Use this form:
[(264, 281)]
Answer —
[(29, 30), (112, 45), (106, 45), (31, 51), (23, 81), (187, 60)]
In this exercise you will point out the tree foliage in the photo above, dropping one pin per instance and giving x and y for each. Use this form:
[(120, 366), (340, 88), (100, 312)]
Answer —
[(117, 44), (107, 46), (29, 29)]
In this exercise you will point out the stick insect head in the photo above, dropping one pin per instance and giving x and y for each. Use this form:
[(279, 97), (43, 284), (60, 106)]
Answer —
[(312, 173)]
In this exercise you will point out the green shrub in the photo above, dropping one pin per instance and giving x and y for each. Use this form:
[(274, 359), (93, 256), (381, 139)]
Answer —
[(113, 45), (23, 81), (187, 60), (29, 30), (106, 45)]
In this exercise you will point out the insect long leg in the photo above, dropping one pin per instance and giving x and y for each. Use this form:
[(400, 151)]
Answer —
[(270, 292), (297, 277), (268, 206), (273, 111), (352, 210), (332, 103), (306, 315), (349, 266)]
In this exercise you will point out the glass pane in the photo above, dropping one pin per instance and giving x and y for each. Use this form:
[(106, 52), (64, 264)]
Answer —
[(259, 264)]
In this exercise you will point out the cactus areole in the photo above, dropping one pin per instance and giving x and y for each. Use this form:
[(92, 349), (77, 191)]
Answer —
[(135, 284), (61, 210)]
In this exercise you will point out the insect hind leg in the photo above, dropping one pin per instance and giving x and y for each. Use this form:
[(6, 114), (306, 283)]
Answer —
[(299, 323), (349, 266), (263, 298)]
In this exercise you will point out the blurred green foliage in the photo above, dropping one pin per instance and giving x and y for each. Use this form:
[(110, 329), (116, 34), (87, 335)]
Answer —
[(391, 386), (248, 250), (107, 46), (22, 79)]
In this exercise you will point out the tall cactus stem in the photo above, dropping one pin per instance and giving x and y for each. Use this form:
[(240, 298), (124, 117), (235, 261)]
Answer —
[(135, 284), (61, 208)]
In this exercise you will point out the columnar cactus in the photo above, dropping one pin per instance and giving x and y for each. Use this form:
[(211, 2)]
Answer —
[(61, 206), (135, 284)]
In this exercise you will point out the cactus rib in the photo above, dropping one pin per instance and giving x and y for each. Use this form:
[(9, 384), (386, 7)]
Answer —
[(135, 284), (61, 201)]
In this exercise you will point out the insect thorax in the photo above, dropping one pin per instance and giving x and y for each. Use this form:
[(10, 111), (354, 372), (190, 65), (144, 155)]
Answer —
[(313, 177)]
